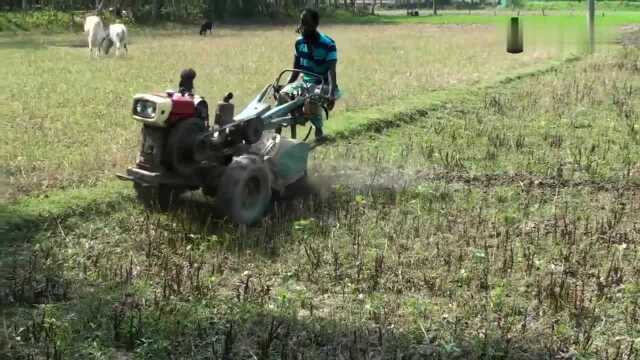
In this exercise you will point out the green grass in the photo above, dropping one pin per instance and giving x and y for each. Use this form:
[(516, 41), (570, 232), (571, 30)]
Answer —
[(581, 5), (501, 226), (564, 18)]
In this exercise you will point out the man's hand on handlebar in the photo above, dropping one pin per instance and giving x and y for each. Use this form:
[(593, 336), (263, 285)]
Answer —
[(331, 99), (331, 103)]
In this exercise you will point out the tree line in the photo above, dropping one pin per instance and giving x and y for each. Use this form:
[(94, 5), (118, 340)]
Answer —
[(156, 10), (188, 9)]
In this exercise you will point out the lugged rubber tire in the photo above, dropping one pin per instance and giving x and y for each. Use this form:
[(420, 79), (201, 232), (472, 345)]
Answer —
[(181, 144), (244, 192)]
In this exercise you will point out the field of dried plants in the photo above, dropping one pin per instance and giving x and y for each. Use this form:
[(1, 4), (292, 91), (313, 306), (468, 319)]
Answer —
[(498, 222)]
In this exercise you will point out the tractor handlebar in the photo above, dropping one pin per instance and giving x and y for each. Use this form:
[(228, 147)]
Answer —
[(277, 82), (317, 97)]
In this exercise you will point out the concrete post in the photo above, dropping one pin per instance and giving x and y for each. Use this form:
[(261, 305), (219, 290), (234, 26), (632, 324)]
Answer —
[(514, 36), (591, 24)]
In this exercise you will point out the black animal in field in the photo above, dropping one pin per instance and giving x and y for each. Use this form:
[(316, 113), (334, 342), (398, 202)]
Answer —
[(207, 26)]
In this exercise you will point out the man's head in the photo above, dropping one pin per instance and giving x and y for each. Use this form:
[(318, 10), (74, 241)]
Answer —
[(309, 21)]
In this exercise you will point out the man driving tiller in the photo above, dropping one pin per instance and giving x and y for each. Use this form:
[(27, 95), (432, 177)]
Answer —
[(314, 52)]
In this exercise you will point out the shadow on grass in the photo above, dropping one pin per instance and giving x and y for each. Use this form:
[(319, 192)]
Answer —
[(17, 230), (222, 328), (16, 225), (21, 43), (27, 229), (204, 215), (80, 43), (268, 334), (319, 199), (41, 42)]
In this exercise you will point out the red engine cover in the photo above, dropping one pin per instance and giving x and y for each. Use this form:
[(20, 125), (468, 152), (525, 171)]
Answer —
[(182, 107)]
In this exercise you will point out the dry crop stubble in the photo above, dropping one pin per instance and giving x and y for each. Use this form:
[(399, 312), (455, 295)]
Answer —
[(454, 267)]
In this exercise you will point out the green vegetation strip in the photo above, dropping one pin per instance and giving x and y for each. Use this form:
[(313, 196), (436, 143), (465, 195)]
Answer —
[(499, 18), (581, 5), (406, 110)]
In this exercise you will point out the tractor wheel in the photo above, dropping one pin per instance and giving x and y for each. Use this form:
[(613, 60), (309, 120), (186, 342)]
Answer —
[(181, 146), (161, 197), (244, 192)]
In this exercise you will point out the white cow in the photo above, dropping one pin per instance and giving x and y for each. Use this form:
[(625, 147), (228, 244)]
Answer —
[(117, 36), (93, 25)]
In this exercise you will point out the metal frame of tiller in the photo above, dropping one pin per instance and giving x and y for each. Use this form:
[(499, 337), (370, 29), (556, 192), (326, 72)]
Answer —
[(280, 116)]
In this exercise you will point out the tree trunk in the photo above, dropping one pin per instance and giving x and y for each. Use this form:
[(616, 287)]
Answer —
[(435, 7), (373, 7), (155, 9), (25, 5), (209, 10)]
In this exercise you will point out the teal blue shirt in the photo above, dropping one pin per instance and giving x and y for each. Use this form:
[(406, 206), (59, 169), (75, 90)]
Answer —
[(316, 57)]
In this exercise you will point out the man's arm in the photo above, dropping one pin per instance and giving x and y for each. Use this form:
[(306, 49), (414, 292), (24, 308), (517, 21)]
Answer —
[(334, 80), (333, 86), (332, 58)]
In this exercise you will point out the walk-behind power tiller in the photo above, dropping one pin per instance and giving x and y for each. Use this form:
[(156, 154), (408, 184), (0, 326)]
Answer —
[(241, 160)]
